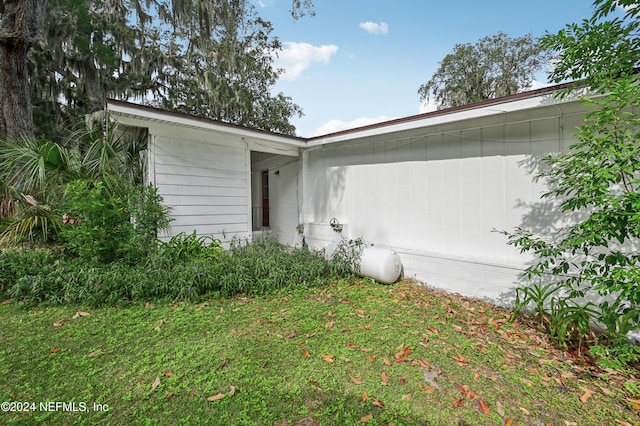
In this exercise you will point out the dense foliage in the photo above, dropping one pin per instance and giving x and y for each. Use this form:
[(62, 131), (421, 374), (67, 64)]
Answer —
[(34, 175), (186, 267), (596, 185), (495, 66), (212, 59)]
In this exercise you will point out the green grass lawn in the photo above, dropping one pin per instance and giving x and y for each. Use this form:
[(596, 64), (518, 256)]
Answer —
[(352, 353)]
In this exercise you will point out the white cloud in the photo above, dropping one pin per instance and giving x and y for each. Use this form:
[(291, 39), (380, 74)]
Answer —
[(297, 57), (375, 28), (332, 126)]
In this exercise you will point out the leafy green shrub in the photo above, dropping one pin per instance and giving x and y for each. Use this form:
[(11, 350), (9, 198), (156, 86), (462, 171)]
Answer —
[(183, 247), (595, 181), (149, 216), (344, 258), (16, 263), (97, 223), (101, 227)]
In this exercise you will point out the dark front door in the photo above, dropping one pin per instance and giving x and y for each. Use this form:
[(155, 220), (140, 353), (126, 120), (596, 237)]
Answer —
[(265, 198)]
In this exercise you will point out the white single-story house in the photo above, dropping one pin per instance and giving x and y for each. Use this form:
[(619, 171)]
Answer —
[(433, 187)]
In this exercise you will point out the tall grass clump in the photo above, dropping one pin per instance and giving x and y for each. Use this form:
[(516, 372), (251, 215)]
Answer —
[(187, 267), (265, 265)]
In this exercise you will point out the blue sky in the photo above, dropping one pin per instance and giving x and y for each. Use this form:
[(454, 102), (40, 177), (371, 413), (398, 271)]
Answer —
[(361, 61)]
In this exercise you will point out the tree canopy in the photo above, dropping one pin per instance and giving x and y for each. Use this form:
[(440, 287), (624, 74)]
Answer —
[(212, 59), (495, 66)]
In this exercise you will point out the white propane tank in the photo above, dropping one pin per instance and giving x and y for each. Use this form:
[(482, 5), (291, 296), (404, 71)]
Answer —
[(383, 265)]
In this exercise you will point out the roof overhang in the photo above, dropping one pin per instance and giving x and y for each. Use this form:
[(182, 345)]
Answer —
[(130, 114), (492, 107)]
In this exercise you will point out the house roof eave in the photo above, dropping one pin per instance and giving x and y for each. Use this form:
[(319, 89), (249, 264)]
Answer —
[(512, 103), (152, 114)]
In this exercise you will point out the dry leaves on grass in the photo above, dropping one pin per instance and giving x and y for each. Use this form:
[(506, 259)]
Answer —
[(377, 402), (461, 360), (219, 396), (155, 384), (585, 396), (384, 379)]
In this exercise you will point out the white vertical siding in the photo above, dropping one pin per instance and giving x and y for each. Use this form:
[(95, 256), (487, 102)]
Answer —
[(203, 179), (436, 194)]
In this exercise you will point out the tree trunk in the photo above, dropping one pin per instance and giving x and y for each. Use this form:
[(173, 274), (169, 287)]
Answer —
[(20, 23)]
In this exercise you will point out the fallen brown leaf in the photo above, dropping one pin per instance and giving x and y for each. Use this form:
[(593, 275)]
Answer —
[(94, 353), (366, 418), (428, 389), (80, 314), (155, 384), (216, 397), (363, 397), (461, 360), (525, 411), (53, 351), (305, 353), (623, 423), (232, 390), (58, 323), (168, 374), (330, 324), (386, 361), (384, 378), (635, 403), (500, 409), (168, 397), (585, 396), (355, 380), (327, 358), (366, 349), (458, 403), (484, 407), (377, 403), (371, 358)]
